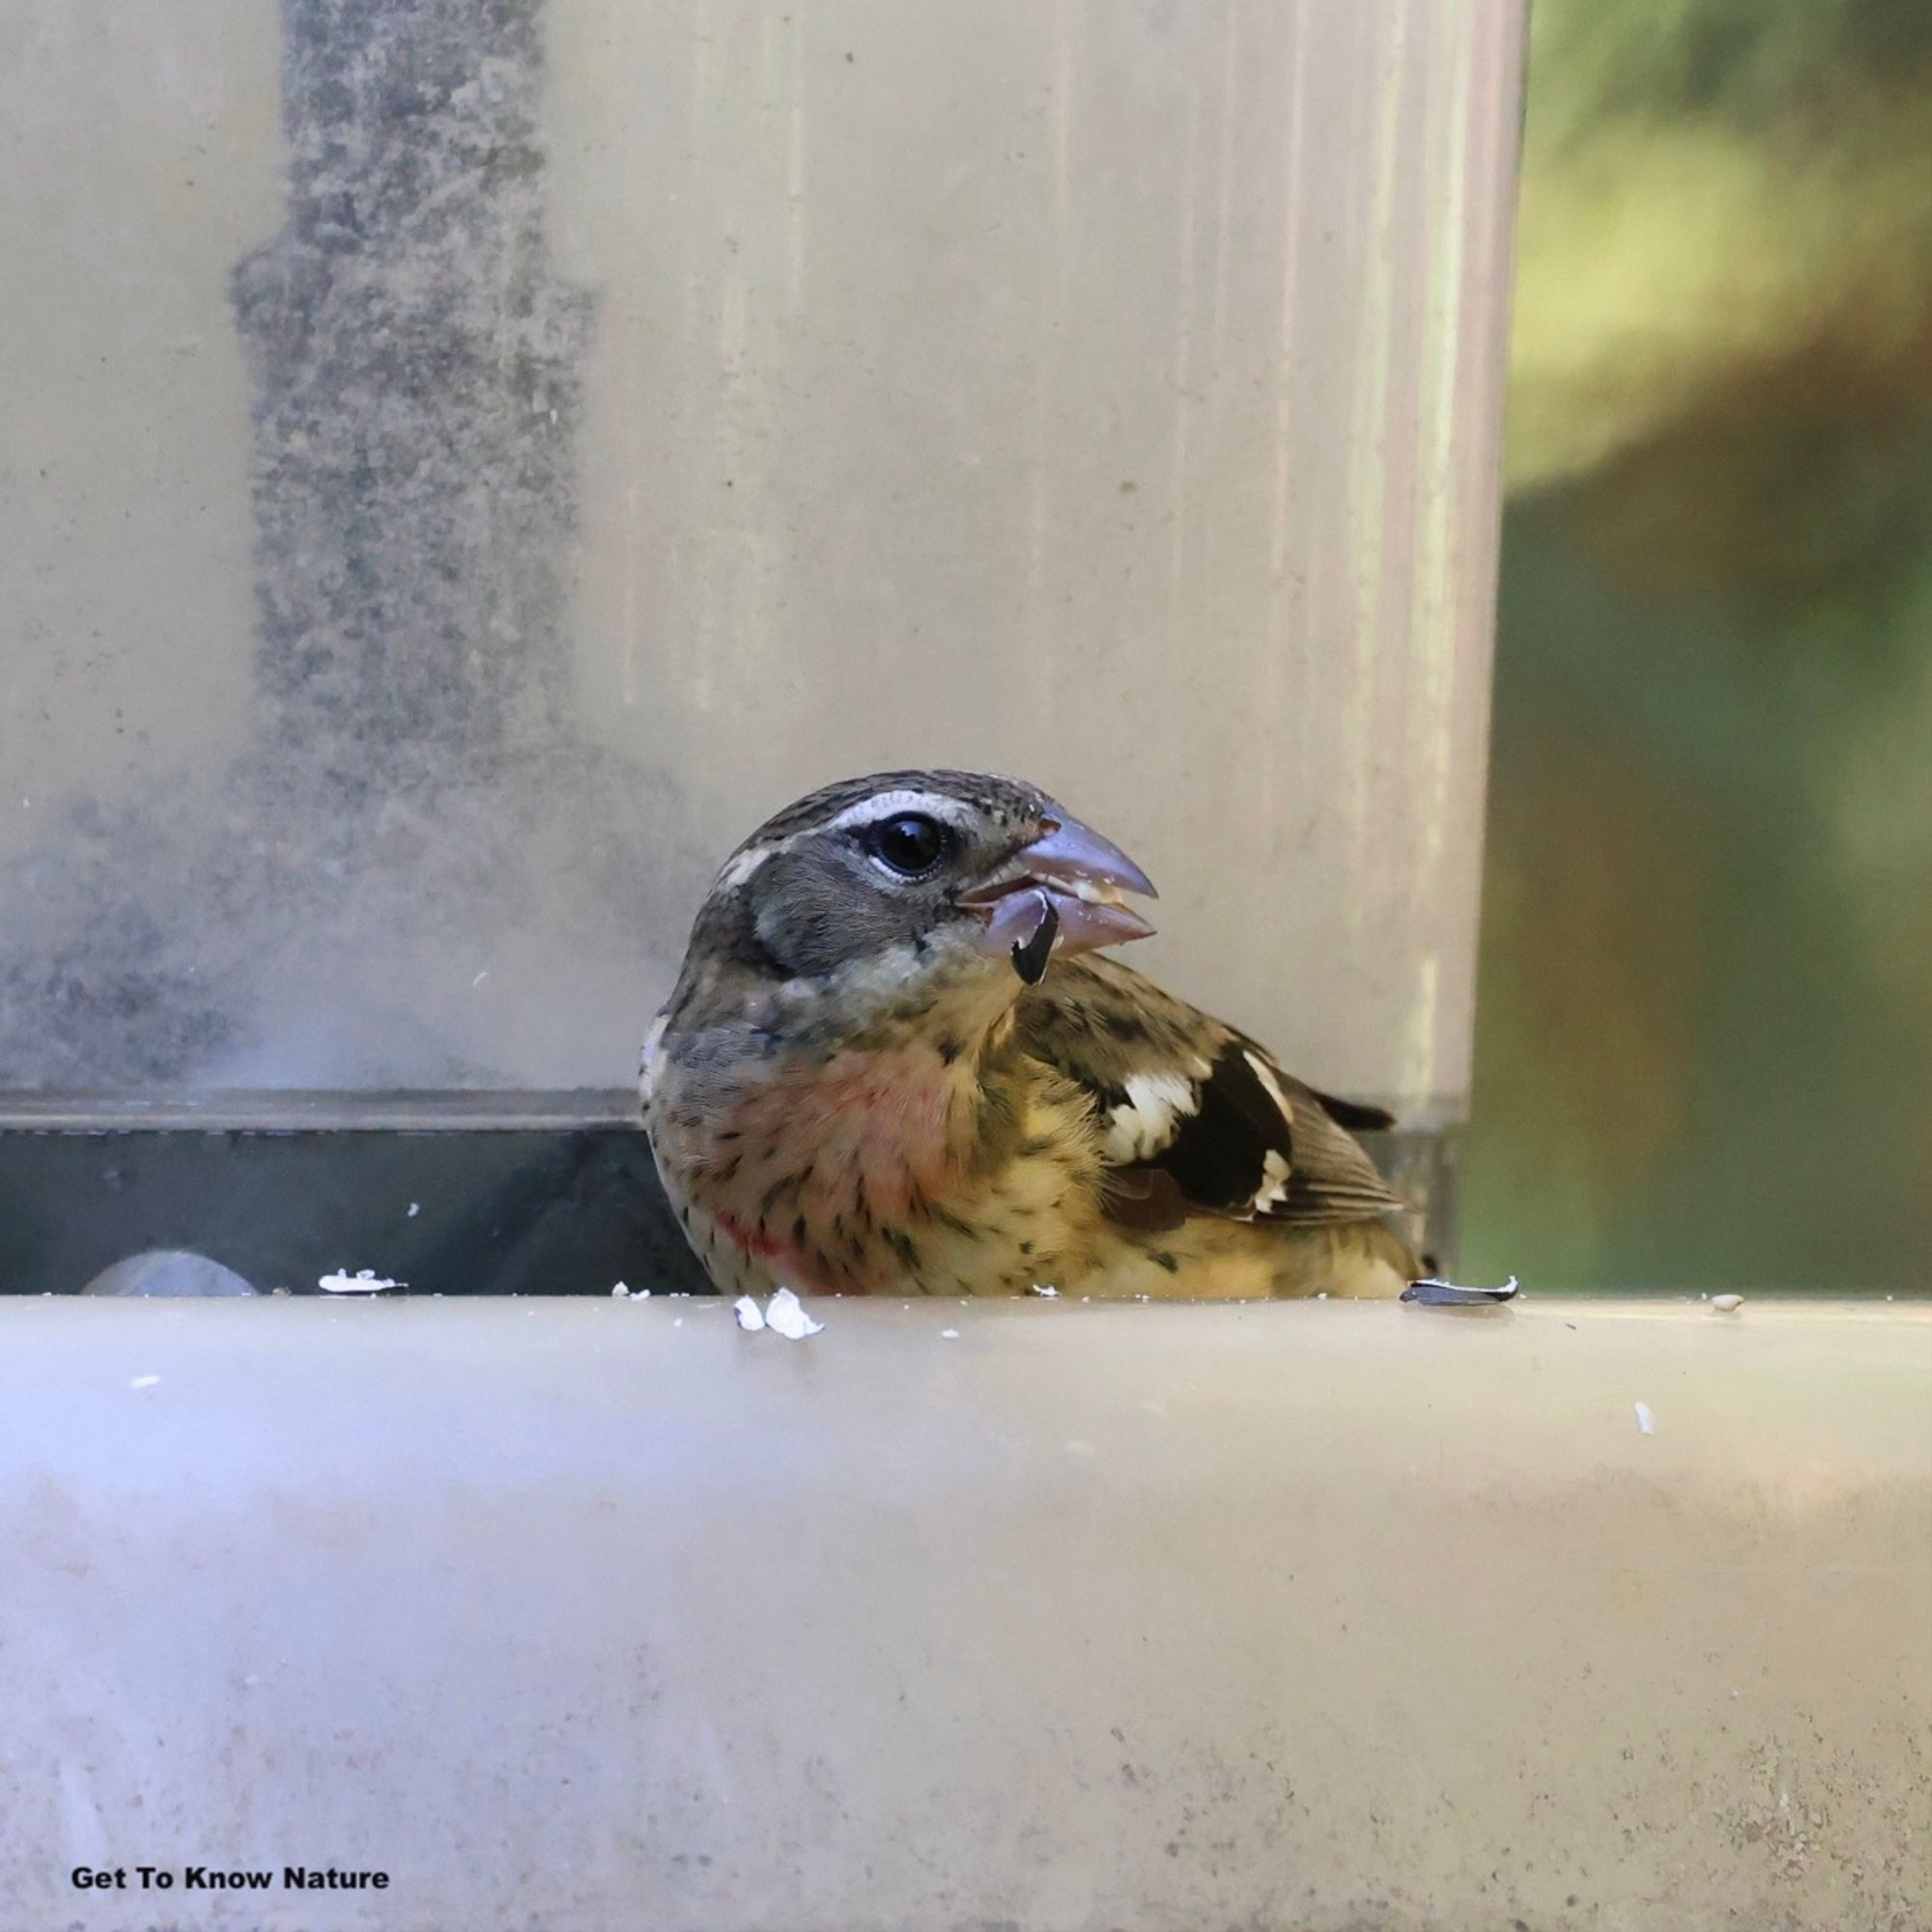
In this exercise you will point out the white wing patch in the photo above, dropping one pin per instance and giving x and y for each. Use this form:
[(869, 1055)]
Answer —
[(1146, 1122), (1273, 1190), (1265, 1074), (1272, 1193)]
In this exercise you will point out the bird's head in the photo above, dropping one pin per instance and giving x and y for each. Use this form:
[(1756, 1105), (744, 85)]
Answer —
[(908, 878)]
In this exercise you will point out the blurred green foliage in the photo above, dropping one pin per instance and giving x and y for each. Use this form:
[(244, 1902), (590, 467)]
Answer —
[(1704, 1047)]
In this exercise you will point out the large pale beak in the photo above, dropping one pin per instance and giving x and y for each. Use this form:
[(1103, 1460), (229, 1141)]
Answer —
[(1061, 894)]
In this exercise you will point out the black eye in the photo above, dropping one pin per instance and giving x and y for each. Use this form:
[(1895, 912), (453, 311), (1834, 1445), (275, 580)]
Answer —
[(910, 845)]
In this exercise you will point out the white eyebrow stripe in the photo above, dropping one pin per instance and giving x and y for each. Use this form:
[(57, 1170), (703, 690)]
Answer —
[(737, 871), (884, 804), (881, 805)]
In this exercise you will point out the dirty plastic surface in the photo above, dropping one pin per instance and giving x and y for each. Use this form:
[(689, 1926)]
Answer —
[(467, 465), (574, 1616)]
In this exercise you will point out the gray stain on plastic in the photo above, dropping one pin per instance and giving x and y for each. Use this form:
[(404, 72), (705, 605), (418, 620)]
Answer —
[(415, 807)]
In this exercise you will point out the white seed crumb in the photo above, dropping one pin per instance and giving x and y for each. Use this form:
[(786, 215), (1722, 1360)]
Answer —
[(1726, 1304), (1322, 1296), (1051, 1294), (1645, 1421), (415, 1209), (677, 1322), (620, 1292), (786, 1316), (365, 1281), (948, 1334), (479, 978), (750, 1316), (144, 1381)]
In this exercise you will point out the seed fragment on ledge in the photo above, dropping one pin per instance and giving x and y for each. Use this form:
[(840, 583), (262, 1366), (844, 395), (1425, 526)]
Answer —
[(783, 1315), (365, 1281)]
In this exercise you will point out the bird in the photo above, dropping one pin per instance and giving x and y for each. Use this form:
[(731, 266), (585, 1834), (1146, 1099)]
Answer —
[(896, 1061)]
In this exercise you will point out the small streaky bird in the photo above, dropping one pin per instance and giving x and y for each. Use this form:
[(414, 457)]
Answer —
[(893, 1063)]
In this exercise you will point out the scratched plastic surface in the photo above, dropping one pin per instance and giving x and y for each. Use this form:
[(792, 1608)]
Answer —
[(1305, 1618), (465, 466)]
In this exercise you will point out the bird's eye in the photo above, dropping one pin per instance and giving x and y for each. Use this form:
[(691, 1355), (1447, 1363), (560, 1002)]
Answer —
[(911, 845)]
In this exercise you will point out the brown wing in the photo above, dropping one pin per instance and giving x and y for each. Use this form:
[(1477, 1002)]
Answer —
[(1198, 1117)]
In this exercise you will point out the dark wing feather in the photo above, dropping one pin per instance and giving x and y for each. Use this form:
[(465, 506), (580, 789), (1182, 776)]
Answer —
[(1357, 1116), (1198, 1118), (1333, 1178)]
